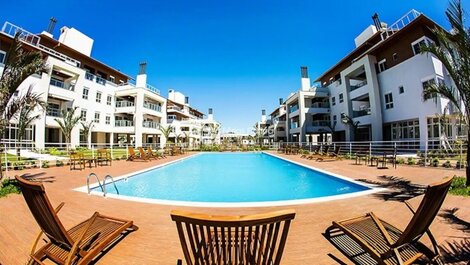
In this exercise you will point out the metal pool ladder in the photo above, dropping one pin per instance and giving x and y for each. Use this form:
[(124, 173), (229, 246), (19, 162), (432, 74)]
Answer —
[(102, 185)]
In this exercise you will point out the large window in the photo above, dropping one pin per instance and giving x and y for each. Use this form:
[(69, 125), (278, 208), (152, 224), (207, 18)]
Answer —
[(382, 65), (333, 101), (341, 99), (83, 114), (438, 127), (109, 99), (405, 130), (98, 97), (389, 101), (97, 117), (108, 119), (416, 45), (86, 91)]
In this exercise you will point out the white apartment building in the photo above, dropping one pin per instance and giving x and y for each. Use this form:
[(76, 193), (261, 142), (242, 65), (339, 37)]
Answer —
[(379, 85), (123, 111), (188, 124)]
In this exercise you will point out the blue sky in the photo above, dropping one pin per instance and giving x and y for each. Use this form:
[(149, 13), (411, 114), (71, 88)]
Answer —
[(237, 57)]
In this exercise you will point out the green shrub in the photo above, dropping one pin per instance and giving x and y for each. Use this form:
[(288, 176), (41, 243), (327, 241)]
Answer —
[(59, 163), (458, 187), (400, 161), (411, 161), (447, 164), (435, 162), (18, 166), (9, 186), (123, 157), (45, 164), (460, 164)]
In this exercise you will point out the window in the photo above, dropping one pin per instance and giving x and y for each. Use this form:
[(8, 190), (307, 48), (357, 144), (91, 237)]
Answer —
[(430, 82), (334, 119), (395, 57), (388, 101), (97, 117), (83, 114), (405, 130), (333, 101), (108, 119), (85, 93), (108, 100), (382, 65), (401, 90), (416, 45), (112, 79), (3, 55), (341, 98), (98, 97)]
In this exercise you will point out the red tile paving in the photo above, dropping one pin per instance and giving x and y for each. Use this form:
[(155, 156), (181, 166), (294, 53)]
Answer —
[(156, 241)]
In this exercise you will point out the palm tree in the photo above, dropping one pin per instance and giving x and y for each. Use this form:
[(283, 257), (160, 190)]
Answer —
[(214, 130), (67, 123), (24, 118), (345, 119), (19, 65), (453, 50), (166, 131), (86, 130)]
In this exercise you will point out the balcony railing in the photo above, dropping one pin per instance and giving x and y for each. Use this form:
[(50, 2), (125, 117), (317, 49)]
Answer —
[(293, 108), (153, 106), (360, 113), (174, 108), (320, 123), (294, 125), (89, 76), (97, 79), (124, 104), (123, 123), (53, 112), (320, 105), (358, 85), (61, 84), (100, 80), (151, 124)]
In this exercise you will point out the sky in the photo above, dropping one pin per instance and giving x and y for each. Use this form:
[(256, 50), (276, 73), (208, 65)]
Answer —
[(237, 57)]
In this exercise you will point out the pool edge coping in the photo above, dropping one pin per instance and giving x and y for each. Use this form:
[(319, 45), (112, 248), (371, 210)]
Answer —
[(371, 190)]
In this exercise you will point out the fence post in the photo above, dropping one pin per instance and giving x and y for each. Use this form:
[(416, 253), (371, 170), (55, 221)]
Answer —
[(350, 149), (127, 150), (112, 151), (425, 153), (6, 162), (370, 149), (93, 151), (310, 147)]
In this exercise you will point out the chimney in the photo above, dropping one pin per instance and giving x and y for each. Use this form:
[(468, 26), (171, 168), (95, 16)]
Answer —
[(263, 115), (377, 23), (51, 26), (210, 116), (305, 80), (141, 80), (281, 101)]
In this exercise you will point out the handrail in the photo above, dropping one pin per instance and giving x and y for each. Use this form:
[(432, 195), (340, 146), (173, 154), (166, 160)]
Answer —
[(112, 181), (97, 179)]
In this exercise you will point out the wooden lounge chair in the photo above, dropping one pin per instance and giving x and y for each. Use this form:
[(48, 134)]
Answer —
[(257, 239), (142, 154), (76, 159), (103, 157), (322, 151), (335, 155), (132, 155), (150, 153), (387, 244), (78, 245)]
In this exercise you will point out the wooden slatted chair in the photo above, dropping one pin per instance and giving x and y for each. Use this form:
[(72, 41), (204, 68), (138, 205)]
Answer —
[(151, 154), (78, 245), (103, 157), (387, 244), (142, 154), (335, 155), (76, 159), (322, 151), (132, 155), (257, 239)]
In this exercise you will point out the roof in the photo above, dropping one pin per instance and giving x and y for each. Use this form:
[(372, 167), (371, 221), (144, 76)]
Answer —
[(372, 44)]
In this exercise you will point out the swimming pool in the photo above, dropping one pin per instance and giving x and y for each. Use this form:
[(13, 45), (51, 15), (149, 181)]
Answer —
[(230, 178)]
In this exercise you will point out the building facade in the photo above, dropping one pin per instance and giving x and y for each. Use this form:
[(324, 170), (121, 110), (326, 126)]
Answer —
[(122, 110), (379, 87)]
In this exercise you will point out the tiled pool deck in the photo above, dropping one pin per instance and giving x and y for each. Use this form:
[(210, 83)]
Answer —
[(156, 241)]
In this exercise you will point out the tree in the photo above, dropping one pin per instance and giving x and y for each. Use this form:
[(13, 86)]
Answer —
[(214, 130), (350, 122), (24, 118), (86, 130), (19, 65), (67, 123), (166, 131), (453, 50)]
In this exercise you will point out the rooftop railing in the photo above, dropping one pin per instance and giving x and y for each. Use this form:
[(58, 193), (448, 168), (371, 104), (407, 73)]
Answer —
[(152, 89), (400, 23)]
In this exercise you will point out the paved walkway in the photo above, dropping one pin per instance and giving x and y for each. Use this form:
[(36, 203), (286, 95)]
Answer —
[(156, 242)]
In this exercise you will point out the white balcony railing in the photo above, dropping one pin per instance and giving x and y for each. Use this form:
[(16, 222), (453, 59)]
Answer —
[(151, 124), (62, 84), (153, 106), (123, 123), (320, 123), (53, 112), (320, 105), (124, 104)]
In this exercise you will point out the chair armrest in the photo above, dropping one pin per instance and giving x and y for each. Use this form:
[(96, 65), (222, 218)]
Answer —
[(58, 208), (382, 229)]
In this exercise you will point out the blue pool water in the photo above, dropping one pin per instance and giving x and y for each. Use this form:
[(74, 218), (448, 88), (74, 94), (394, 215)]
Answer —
[(233, 177)]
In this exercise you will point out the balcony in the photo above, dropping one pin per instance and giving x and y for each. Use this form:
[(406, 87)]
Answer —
[(320, 123), (293, 108), (320, 105), (124, 104), (153, 106), (151, 124), (89, 76), (123, 123), (360, 113), (97, 79), (357, 85), (174, 108), (294, 125), (59, 83)]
